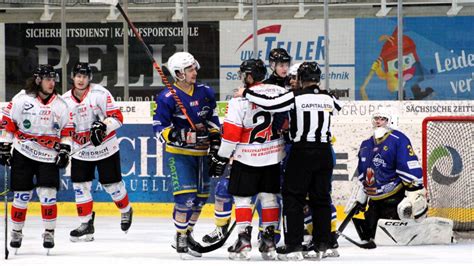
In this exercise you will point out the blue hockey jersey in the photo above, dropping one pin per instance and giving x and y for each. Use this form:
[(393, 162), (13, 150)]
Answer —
[(386, 165), (200, 105)]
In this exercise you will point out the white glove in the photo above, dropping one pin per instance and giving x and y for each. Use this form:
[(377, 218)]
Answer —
[(357, 196), (414, 206)]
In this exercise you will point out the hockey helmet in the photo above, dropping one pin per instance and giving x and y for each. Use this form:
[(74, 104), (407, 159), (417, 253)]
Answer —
[(255, 67), (390, 116), (309, 71), (278, 55), (294, 69), (82, 68), (179, 61), (45, 71)]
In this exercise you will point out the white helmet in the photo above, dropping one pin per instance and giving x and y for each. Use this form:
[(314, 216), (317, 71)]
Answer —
[(179, 61), (392, 121), (294, 69)]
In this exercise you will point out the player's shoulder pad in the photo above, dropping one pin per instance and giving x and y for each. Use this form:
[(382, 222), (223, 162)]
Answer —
[(97, 89), (400, 136)]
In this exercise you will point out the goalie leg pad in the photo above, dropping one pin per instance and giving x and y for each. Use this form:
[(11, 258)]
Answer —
[(433, 230), (19, 208), (49, 209), (84, 201)]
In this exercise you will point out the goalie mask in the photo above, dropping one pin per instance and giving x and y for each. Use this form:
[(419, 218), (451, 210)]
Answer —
[(389, 122), (179, 61)]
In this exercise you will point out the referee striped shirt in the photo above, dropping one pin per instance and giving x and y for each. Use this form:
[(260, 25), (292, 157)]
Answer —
[(310, 112)]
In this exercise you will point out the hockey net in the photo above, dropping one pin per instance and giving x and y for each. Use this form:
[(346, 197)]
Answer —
[(448, 159)]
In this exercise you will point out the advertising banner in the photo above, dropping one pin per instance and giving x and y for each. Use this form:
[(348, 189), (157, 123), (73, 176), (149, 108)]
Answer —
[(304, 41), (438, 58), (101, 44)]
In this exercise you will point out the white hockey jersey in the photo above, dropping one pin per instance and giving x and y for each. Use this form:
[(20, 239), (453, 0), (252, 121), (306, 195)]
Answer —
[(97, 104), (247, 131), (36, 128)]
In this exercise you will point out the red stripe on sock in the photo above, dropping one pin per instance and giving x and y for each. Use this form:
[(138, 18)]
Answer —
[(49, 212), (18, 215), (123, 203), (84, 209), (243, 215), (270, 215)]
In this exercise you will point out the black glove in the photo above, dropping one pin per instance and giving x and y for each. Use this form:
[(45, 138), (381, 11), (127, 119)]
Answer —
[(217, 164), (5, 153), (62, 160), (214, 143), (98, 133)]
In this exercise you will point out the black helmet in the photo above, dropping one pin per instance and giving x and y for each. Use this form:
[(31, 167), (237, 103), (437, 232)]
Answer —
[(82, 68), (254, 67), (279, 55), (309, 71), (45, 71)]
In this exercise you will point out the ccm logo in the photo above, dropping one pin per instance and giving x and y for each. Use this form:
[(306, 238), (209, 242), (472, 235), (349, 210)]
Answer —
[(396, 223)]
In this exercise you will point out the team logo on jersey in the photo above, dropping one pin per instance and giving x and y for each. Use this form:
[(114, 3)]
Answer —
[(194, 103), (385, 148), (27, 123), (27, 106), (445, 165), (379, 161), (370, 177)]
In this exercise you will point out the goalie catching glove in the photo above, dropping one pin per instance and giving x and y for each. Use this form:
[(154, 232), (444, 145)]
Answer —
[(414, 206)]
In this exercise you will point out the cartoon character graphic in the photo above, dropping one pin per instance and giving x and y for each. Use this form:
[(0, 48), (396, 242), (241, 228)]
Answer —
[(386, 67)]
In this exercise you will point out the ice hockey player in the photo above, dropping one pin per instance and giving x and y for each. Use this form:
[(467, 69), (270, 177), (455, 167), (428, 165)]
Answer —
[(187, 147), (96, 118), (279, 60), (36, 123), (390, 177), (257, 152)]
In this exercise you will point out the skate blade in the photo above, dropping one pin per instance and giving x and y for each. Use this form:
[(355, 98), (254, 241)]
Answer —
[(271, 255), (332, 253), (186, 256), (16, 251), (85, 238), (48, 251), (242, 255), (295, 256), (194, 253)]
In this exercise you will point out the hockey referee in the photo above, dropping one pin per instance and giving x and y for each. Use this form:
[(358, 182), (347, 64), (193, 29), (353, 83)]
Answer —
[(310, 164)]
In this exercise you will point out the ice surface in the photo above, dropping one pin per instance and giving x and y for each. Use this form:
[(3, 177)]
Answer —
[(148, 243)]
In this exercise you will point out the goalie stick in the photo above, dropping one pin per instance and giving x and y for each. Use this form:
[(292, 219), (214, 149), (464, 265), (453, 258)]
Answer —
[(150, 56), (364, 244)]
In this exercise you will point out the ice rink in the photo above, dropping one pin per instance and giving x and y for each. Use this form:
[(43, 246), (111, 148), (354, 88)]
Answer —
[(148, 243)]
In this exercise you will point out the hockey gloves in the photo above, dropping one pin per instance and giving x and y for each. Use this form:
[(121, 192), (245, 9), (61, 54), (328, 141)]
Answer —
[(62, 160), (98, 133), (217, 165), (414, 206), (5, 153)]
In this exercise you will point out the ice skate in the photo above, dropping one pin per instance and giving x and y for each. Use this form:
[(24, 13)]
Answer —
[(181, 246), (126, 220), (333, 245), (190, 242), (290, 252), (85, 232), (307, 244), (219, 233), (240, 250), (48, 240), (267, 244), (15, 242), (193, 245)]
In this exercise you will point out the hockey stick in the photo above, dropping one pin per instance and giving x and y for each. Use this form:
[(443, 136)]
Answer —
[(199, 248), (150, 56), (5, 198), (364, 244)]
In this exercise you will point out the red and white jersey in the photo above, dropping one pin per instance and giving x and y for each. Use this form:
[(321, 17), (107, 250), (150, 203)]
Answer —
[(36, 128), (247, 131), (97, 104)]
